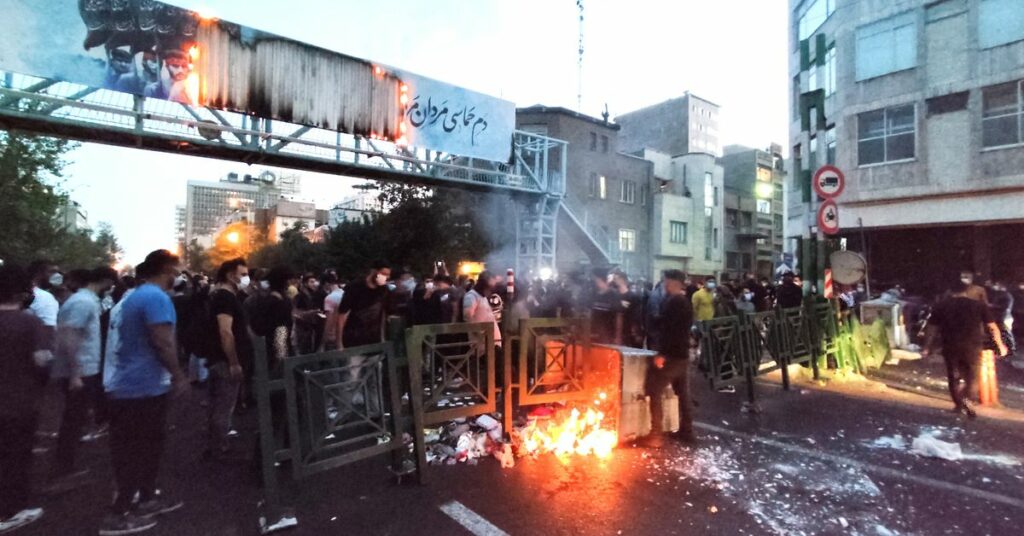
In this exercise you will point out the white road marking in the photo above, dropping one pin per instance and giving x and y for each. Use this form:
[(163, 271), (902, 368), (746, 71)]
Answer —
[(471, 520), (885, 471)]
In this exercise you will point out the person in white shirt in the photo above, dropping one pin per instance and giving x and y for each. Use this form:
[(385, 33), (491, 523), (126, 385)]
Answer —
[(334, 295), (477, 308)]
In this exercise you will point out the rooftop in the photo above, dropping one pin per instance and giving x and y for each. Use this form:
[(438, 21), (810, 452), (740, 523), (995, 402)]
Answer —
[(541, 109)]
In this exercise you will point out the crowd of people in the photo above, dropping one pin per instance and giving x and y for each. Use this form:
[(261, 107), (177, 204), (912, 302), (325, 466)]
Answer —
[(118, 348)]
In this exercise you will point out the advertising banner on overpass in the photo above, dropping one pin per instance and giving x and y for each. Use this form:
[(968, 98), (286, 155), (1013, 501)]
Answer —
[(159, 51)]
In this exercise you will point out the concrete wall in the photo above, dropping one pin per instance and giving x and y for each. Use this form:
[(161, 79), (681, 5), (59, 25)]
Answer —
[(672, 127)]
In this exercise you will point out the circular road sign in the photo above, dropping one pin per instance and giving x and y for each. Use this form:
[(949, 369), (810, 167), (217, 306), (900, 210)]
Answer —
[(829, 182), (828, 218)]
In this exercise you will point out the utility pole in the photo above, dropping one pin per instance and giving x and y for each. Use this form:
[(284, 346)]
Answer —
[(579, 63)]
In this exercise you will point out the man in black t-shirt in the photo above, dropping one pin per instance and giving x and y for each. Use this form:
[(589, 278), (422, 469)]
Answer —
[(227, 359), (23, 354), (362, 309), (962, 324)]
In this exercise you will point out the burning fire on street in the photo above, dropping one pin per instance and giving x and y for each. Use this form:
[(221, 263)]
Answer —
[(570, 431)]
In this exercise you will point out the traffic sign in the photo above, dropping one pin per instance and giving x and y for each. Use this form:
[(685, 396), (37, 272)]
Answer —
[(829, 182), (828, 218)]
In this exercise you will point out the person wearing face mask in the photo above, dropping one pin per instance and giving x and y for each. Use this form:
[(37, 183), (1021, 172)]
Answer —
[(745, 302), (361, 322), (230, 358), (704, 300), (77, 368), (44, 306), (477, 308), (974, 292), (145, 373)]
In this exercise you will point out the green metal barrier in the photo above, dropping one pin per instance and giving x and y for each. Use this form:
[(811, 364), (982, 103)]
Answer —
[(452, 367), (739, 348), (321, 411)]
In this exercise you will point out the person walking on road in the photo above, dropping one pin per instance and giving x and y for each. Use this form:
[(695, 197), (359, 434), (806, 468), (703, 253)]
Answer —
[(672, 365), (145, 374), (77, 367), (962, 323), (789, 294), (24, 356)]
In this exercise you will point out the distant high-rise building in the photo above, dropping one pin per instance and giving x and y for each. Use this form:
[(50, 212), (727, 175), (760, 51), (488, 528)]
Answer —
[(180, 217), (365, 202), (72, 217), (211, 205), (687, 124), (754, 209)]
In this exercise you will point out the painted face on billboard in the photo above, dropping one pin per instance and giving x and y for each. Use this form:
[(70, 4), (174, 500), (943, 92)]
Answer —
[(177, 67), (120, 60), (150, 63)]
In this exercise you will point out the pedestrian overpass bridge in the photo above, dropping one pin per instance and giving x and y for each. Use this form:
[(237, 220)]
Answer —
[(157, 77)]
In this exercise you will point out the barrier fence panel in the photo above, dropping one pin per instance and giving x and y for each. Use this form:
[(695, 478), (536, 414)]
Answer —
[(321, 411), (796, 329), (766, 344), (452, 368), (552, 365), (723, 351), (824, 333)]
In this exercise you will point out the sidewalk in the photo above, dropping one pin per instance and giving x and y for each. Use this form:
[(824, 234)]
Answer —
[(927, 377)]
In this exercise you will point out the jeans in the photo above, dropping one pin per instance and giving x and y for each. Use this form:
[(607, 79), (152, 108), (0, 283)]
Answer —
[(76, 412), (677, 374), (16, 439), (223, 397), (137, 434), (962, 364)]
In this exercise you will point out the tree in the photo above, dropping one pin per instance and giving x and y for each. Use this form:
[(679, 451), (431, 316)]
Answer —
[(196, 257), (30, 197)]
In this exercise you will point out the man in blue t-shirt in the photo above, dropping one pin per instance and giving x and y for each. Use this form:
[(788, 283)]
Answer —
[(145, 372)]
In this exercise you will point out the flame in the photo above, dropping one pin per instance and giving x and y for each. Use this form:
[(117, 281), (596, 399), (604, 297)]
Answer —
[(581, 433)]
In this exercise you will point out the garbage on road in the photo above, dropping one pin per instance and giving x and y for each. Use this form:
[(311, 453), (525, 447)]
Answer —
[(932, 447)]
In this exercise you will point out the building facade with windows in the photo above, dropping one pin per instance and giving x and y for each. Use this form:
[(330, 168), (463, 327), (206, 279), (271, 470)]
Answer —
[(687, 124), (921, 104), (605, 217), (212, 205), (754, 209)]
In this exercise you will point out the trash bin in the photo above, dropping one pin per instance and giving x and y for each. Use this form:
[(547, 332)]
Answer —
[(892, 314)]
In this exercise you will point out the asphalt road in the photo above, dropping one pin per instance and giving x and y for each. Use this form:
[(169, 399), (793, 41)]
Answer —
[(812, 462)]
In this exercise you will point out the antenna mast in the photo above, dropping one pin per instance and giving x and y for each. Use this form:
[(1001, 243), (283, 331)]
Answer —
[(579, 65)]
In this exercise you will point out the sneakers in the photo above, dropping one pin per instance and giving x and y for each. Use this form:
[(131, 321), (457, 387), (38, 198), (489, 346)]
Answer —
[(120, 524), (22, 518), (156, 506)]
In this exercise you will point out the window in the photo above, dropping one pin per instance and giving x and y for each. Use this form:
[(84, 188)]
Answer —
[(813, 14), (886, 46), (796, 98), (627, 240), (1002, 116), (604, 144), (747, 219), (1000, 22), (887, 135), (732, 260), (598, 186), (830, 145), (812, 78), (764, 174), (627, 193), (812, 154), (732, 218), (778, 224), (643, 195), (764, 206), (716, 195), (593, 141), (714, 238), (709, 190), (830, 71), (677, 232)]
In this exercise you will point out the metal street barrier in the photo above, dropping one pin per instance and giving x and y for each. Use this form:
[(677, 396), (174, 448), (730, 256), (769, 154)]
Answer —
[(737, 349), (321, 411), (452, 370)]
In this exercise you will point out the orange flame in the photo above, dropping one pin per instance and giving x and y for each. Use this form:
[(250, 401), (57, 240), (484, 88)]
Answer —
[(580, 433)]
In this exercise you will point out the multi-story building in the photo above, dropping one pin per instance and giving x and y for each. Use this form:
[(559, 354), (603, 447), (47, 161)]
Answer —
[(605, 217), (354, 208), (211, 205), (686, 213), (72, 217), (687, 124), (921, 104), (180, 219), (754, 209)]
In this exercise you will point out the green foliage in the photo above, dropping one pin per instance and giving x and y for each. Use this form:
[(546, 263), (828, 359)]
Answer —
[(421, 227), (30, 198)]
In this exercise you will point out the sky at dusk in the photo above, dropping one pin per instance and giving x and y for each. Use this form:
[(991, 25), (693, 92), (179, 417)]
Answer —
[(637, 53)]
